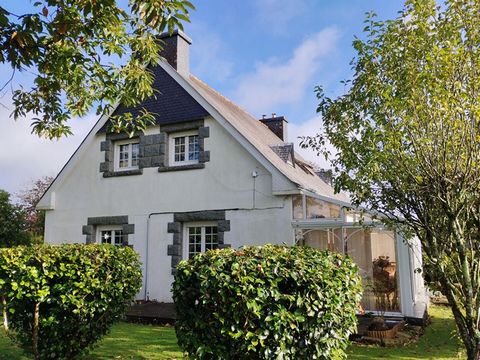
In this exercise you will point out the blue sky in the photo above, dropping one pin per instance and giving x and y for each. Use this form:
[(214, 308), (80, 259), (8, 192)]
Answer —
[(266, 55)]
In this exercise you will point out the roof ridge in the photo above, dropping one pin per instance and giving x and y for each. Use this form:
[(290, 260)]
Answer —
[(227, 99)]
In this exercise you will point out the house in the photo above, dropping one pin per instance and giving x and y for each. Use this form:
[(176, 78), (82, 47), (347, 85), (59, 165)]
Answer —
[(209, 175)]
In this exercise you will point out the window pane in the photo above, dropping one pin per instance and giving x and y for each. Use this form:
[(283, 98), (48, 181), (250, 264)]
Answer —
[(211, 238), (180, 148), (118, 234), (317, 209), (374, 253), (324, 239), (194, 241), (297, 204), (193, 149), (123, 156), (135, 154), (106, 237), (356, 216)]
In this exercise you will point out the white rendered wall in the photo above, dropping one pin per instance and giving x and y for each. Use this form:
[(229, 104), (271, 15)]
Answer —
[(248, 227), (224, 183)]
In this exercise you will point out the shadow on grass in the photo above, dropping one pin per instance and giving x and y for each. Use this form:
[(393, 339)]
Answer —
[(132, 341), (438, 342), (144, 342)]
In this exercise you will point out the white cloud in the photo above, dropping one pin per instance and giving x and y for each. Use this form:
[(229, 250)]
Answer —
[(276, 15), (208, 54), (308, 128), (25, 157), (274, 83)]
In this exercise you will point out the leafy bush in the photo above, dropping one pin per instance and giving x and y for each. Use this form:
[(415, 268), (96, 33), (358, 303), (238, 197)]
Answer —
[(268, 302), (13, 223), (60, 300)]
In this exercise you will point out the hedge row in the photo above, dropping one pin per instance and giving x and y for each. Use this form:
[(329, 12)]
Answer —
[(267, 302), (61, 299)]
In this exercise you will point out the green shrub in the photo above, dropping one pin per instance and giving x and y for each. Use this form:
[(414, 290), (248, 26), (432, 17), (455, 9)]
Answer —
[(268, 302), (75, 291)]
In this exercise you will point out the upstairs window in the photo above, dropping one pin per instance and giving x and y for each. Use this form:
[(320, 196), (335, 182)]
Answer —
[(200, 238), (126, 155), (184, 148)]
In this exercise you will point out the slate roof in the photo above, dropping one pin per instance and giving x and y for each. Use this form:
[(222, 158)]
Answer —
[(284, 151), (260, 136), (171, 104)]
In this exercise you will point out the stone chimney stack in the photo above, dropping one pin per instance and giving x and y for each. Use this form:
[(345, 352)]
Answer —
[(277, 124), (176, 51)]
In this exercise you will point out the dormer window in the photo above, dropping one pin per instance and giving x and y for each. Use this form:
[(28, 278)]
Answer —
[(184, 148), (127, 154)]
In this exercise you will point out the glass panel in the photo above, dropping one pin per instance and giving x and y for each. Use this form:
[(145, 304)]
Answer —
[(135, 154), (324, 239), (118, 234), (317, 209), (106, 237), (180, 148), (297, 204), (194, 241), (123, 156), (374, 253), (211, 238), (193, 149), (356, 216)]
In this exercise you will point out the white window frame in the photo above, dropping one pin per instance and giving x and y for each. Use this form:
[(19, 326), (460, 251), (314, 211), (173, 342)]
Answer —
[(129, 142), (171, 148), (111, 228), (202, 225)]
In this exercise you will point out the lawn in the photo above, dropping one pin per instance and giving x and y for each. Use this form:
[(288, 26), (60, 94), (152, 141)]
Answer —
[(130, 341)]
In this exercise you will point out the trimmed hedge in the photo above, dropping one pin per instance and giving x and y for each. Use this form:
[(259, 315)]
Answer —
[(269, 302), (60, 300)]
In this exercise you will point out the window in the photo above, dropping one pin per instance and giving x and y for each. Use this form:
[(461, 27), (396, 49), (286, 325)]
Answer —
[(373, 251), (317, 209), (306, 207), (200, 238), (297, 204), (113, 236), (184, 148), (126, 155)]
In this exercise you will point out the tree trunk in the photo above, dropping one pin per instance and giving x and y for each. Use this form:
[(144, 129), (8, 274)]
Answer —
[(36, 321), (474, 352), (5, 313)]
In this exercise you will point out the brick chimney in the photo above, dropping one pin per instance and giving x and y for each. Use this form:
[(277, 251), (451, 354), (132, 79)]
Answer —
[(176, 51), (277, 124)]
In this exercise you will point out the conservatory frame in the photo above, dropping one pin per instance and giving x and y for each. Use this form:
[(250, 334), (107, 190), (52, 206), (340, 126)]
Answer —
[(412, 296)]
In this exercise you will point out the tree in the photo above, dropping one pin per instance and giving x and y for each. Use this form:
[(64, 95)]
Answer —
[(86, 55), (29, 199), (13, 223), (406, 140)]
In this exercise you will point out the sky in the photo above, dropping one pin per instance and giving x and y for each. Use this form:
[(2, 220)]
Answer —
[(265, 55)]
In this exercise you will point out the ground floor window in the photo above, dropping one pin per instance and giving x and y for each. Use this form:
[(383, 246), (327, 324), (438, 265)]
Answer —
[(200, 238), (109, 235), (373, 250)]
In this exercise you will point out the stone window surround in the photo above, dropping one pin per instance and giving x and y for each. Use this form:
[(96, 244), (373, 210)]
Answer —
[(92, 222), (203, 133), (108, 146), (175, 250), (154, 149)]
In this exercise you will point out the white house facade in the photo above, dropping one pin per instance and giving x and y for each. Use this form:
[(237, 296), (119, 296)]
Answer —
[(208, 175)]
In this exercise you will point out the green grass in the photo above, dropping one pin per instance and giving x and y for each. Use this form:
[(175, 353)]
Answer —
[(437, 342), (131, 341)]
